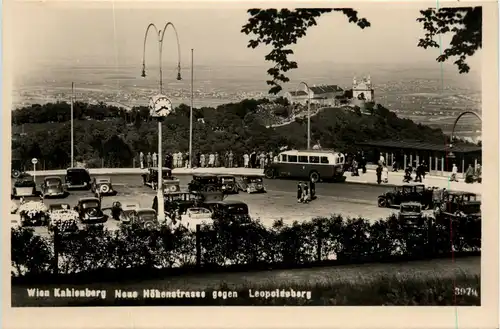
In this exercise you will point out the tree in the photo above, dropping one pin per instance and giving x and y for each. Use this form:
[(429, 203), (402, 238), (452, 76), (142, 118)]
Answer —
[(283, 28)]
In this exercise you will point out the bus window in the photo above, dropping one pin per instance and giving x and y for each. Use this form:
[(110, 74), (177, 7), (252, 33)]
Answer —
[(283, 158), (313, 159), (292, 158), (324, 160), (303, 158)]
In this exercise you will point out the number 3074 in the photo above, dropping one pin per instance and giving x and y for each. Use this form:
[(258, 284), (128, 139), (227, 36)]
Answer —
[(466, 291)]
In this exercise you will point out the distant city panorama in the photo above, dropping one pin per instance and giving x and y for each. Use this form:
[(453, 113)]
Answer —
[(425, 95)]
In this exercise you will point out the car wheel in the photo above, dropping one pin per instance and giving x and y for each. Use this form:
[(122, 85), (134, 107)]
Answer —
[(16, 173), (382, 202), (314, 177), (269, 173)]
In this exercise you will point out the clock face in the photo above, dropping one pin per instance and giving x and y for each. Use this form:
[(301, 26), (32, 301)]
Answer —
[(160, 106)]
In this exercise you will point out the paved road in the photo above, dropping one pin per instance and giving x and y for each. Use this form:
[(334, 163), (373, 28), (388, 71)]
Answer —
[(351, 200)]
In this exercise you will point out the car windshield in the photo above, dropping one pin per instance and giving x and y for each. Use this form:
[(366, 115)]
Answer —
[(197, 211), (254, 180), (24, 183), (128, 213), (237, 209), (52, 181), (90, 204), (410, 208)]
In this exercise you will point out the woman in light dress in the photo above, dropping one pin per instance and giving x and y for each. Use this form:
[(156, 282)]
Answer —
[(385, 174)]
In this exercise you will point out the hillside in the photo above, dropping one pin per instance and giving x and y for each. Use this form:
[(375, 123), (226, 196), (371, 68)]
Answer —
[(111, 136)]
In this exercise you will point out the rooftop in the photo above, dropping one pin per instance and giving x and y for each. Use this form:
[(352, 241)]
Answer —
[(325, 89), (418, 145)]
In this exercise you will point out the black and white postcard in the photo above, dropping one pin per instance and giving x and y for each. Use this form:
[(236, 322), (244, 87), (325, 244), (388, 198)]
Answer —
[(257, 154)]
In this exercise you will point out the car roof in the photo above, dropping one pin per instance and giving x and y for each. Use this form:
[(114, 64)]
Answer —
[(88, 199), (100, 179), (460, 193), (53, 177), (76, 169), (193, 208), (146, 209), (227, 202), (130, 205), (411, 203)]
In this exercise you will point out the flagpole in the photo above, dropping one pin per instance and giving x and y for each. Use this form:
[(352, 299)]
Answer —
[(191, 114), (72, 137)]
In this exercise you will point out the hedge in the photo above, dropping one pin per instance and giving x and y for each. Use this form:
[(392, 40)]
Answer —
[(226, 244)]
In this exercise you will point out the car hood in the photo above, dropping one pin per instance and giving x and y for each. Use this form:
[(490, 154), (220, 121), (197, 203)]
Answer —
[(92, 211)]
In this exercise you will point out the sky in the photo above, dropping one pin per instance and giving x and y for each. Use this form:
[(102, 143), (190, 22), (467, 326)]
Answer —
[(112, 33)]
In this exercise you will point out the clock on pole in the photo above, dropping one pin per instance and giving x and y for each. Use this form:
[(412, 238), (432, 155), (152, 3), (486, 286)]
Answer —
[(160, 106)]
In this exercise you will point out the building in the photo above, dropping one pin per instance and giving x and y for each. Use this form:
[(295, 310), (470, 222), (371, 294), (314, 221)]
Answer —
[(325, 95), (438, 157), (363, 90)]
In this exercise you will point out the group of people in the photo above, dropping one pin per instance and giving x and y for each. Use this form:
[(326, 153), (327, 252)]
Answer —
[(306, 191), (227, 159), (471, 175)]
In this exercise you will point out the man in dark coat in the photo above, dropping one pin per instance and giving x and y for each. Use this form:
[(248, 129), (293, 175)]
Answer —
[(379, 174), (299, 192)]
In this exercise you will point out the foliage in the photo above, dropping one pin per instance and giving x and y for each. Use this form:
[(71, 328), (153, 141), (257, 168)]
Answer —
[(111, 138), (232, 242), (465, 23), (283, 28)]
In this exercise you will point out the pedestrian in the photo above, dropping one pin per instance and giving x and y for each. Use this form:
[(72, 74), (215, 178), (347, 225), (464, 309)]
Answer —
[(379, 174), (141, 159), (454, 172), (226, 159), (299, 192), (381, 160), (262, 160), (155, 160), (253, 159), (271, 158), (478, 173), (211, 160), (202, 160), (312, 190), (355, 169), (305, 193), (424, 169), (246, 159), (395, 166), (385, 175), (186, 160), (418, 173), (149, 160), (230, 156), (174, 160), (217, 160), (363, 164), (469, 175), (197, 162)]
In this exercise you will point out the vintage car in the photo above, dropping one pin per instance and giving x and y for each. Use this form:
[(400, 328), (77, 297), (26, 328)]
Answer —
[(406, 193), (127, 211), (16, 169), (24, 187), (89, 210), (228, 184), (170, 183), (102, 186), (204, 183), (195, 216), (228, 210), (251, 184), (459, 204), (62, 216), (410, 211), (77, 178), (146, 218), (33, 213), (53, 187)]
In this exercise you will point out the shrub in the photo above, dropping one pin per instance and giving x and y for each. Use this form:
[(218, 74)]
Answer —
[(241, 242)]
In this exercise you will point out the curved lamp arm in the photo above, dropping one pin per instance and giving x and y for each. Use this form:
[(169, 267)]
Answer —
[(458, 118), (144, 48), (178, 47)]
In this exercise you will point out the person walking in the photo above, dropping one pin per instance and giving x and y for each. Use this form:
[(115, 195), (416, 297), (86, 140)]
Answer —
[(454, 172), (299, 192), (217, 160), (253, 159), (469, 175), (478, 173), (246, 159), (197, 161), (262, 160), (379, 174), (385, 175), (149, 160), (271, 157), (312, 190), (211, 160), (141, 159), (155, 160), (418, 173), (226, 159), (355, 169), (186, 160), (175, 160), (305, 193), (230, 156), (202, 160)]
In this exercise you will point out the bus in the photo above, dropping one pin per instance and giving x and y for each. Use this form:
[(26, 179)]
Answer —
[(313, 165)]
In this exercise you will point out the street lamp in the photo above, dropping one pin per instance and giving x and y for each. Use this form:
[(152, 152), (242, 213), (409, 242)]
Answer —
[(308, 112), (160, 105)]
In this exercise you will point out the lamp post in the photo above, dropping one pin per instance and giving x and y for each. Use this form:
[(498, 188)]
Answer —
[(160, 106), (451, 155), (308, 112), (72, 128)]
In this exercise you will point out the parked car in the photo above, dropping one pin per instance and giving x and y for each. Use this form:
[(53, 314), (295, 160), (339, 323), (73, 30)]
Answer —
[(410, 211), (251, 184), (89, 210), (77, 178), (459, 204), (24, 187), (228, 210), (228, 184), (146, 218), (195, 216), (102, 186), (53, 187), (406, 193), (62, 216), (204, 183), (128, 212), (16, 169)]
